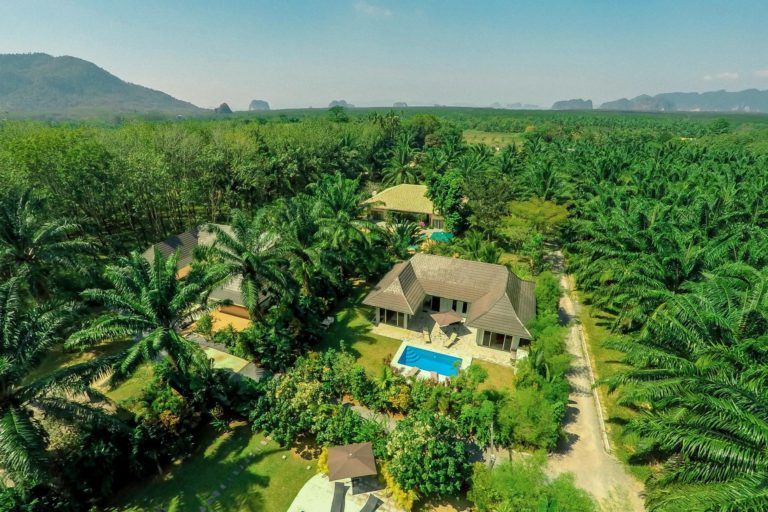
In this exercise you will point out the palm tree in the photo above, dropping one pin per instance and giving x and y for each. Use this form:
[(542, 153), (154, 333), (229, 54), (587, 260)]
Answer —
[(26, 334), (403, 167), (147, 303), (251, 252), (342, 213), (699, 369), (34, 247), (401, 236), (474, 247), (309, 264)]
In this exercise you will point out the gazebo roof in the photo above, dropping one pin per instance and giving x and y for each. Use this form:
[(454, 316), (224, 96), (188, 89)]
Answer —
[(444, 318), (351, 461)]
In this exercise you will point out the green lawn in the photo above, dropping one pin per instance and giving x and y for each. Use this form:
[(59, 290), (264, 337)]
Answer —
[(230, 465), (495, 139), (606, 363), (499, 377), (352, 326), (58, 357)]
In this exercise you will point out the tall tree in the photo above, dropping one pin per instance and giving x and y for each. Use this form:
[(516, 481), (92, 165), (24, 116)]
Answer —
[(26, 334), (145, 302), (700, 370), (33, 246), (249, 251)]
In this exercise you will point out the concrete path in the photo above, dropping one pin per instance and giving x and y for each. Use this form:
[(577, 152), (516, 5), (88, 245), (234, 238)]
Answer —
[(584, 453), (317, 496)]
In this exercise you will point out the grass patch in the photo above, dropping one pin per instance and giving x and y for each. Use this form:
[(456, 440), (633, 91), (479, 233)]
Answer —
[(353, 327), (253, 481), (500, 378), (493, 139), (58, 357), (606, 362)]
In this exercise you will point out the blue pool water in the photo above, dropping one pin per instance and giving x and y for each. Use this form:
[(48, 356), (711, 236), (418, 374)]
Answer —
[(441, 236), (430, 361)]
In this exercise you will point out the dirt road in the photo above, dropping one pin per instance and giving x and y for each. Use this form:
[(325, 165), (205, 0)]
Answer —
[(583, 453)]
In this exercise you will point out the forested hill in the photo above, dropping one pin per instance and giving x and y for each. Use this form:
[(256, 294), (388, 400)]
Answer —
[(40, 83), (749, 100)]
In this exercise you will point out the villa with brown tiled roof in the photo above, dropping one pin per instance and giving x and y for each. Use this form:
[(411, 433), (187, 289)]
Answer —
[(408, 200), (490, 301)]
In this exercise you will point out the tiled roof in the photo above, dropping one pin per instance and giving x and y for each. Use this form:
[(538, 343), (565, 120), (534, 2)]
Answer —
[(403, 198), (499, 301), (185, 243)]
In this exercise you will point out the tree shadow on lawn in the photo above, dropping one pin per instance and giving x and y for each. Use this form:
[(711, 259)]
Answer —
[(221, 479)]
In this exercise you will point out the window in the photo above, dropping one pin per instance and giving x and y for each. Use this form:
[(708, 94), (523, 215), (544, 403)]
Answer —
[(464, 308), (435, 303), (497, 341), (392, 318), (455, 306)]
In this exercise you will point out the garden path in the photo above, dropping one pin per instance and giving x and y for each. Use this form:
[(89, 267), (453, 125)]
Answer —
[(586, 452)]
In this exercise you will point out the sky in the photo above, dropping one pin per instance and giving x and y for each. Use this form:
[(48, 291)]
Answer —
[(375, 52)]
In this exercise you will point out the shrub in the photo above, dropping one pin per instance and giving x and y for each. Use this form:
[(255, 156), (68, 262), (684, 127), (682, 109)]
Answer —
[(527, 418), (523, 486), (427, 454), (548, 293), (404, 499)]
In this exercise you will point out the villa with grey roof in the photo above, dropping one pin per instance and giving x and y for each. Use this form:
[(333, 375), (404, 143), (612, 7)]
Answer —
[(406, 200), (185, 243), (449, 300)]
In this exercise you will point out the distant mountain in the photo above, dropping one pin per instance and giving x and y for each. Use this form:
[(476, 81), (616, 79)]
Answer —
[(258, 105), (40, 83), (340, 103), (750, 100), (515, 106), (222, 109), (577, 104), (400, 104)]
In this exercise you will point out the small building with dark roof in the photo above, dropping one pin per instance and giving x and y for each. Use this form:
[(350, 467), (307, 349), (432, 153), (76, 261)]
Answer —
[(185, 244), (491, 300)]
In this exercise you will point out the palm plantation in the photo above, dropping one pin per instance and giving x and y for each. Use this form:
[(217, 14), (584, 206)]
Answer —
[(700, 366)]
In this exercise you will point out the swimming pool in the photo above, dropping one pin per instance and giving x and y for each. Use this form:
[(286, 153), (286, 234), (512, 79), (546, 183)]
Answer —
[(430, 361), (441, 236)]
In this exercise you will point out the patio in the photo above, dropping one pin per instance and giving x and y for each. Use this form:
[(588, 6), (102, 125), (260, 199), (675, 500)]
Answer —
[(464, 344)]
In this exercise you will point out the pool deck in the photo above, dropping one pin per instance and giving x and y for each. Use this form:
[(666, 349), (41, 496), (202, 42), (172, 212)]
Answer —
[(464, 347), (424, 374)]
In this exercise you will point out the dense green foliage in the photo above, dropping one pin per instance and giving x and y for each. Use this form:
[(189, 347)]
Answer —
[(662, 220), (522, 486)]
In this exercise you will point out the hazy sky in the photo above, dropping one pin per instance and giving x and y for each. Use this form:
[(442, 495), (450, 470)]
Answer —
[(375, 52)]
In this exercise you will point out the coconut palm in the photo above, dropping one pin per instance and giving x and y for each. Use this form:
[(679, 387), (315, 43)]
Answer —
[(700, 369), (26, 334), (145, 302), (33, 246), (251, 252)]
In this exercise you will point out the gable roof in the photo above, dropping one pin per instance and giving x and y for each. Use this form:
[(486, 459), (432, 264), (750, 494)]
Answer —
[(186, 243), (499, 301), (403, 198)]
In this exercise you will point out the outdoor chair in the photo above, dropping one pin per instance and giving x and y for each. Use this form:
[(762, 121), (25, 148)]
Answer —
[(371, 504), (450, 341), (339, 498), (425, 335)]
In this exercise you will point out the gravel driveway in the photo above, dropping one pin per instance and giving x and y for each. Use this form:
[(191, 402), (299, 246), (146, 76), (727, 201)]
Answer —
[(583, 453)]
